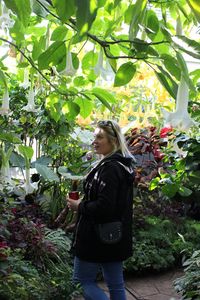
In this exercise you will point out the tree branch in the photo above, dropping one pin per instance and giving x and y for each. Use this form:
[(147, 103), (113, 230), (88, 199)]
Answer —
[(105, 43), (36, 68)]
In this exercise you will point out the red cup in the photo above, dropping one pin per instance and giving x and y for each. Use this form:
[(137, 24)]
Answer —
[(74, 195)]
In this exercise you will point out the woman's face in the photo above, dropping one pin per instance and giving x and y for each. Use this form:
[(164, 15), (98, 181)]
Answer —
[(101, 143)]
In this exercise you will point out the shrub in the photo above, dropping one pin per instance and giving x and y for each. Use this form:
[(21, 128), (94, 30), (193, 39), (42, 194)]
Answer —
[(161, 244), (189, 284), (34, 260)]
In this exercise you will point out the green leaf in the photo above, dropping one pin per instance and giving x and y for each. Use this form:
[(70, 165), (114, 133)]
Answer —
[(80, 81), (165, 31), (38, 9), (21, 8), (59, 33), (26, 151), (17, 160), (17, 31), (184, 192), (107, 95), (187, 46), (154, 183), (46, 173), (65, 9), (43, 160), (54, 54), (3, 78), (165, 83), (152, 23), (195, 46), (88, 61), (85, 14), (173, 85), (184, 70), (137, 17), (171, 65), (195, 7), (71, 110), (124, 74), (38, 47), (194, 176), (128, 14), (170, 190), (103, 100), (85, 105), (9, 137), (104, 96)]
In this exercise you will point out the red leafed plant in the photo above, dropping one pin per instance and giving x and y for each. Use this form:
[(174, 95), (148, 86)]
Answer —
[(19, 230), (145, 144)]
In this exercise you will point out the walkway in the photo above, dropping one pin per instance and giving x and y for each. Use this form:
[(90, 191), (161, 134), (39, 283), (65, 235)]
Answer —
[(151, 287)]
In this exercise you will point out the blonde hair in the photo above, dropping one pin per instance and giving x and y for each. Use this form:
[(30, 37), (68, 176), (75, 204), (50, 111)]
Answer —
[(115, 136)]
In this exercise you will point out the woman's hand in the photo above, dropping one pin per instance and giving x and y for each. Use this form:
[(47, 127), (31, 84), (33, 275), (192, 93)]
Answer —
[(73, 204)]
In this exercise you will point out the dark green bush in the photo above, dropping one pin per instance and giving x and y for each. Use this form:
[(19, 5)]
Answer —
[(161, 244)]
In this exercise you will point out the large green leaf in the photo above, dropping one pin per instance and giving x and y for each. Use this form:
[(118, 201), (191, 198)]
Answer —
[(38, 47), (9, 137), (59, 33), (17, 160), (152, 23), (88, 61), (85, 14), (124, 74), (104, 96), (85, 105), (187, 45), (171, 65), (195, 7), (65, 9), (54, 54), (46, 173), (184, 191), (26, 151), (191, 43), (137, 17), (170, 189), (18, 31), (161, 77), (39, 9), (21, 8), (43, 160), (172, 84), (71, 110)]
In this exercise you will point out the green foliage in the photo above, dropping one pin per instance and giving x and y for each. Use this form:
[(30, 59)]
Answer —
[(23, 282), (161, 244), (182, 179), (34, 260), (64, 9), (188, 285), (54, 54), (21, 8), (126, 32), (124, 74)]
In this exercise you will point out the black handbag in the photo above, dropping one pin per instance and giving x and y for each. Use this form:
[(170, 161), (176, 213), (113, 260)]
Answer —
[(110, 233)]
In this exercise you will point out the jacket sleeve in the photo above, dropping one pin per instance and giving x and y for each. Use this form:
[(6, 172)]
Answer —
[(104, 205)]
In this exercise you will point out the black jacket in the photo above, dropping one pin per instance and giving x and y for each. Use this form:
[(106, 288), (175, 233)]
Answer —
[(108, 197)]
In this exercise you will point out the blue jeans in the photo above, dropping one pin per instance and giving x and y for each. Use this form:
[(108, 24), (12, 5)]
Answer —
[(86, 272)]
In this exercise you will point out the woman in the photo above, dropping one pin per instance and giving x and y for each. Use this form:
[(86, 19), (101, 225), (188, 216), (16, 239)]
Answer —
[(108, 197)]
